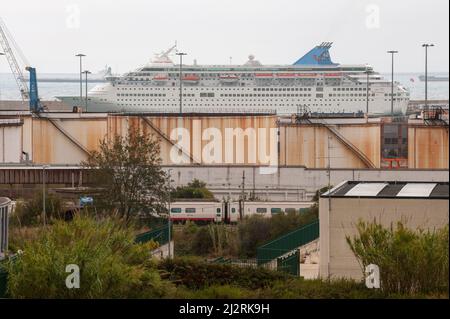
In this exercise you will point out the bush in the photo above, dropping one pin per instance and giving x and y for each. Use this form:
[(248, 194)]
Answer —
[(195, 189), (237, 241), (410, 261), (111, 264), (254, 231), (196, 274), (210, 240), (29, 213)]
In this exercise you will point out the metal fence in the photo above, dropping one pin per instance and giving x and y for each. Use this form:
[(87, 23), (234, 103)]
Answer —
[(3, 282), (290, 264), (287, 243), (245, 263), (160, 235)]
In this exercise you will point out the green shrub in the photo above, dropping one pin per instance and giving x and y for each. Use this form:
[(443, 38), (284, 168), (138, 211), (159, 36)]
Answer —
[(237, 241), (197, 274), (255, 230), (195, 189), (29, 212), (111, 264), (410, 262)]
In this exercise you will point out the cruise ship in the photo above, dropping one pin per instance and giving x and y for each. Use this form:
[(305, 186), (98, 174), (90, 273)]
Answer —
[(314, 83)]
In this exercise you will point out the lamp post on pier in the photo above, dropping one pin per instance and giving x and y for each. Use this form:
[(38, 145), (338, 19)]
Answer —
[(392, 52), (426, 46), (81, 56)]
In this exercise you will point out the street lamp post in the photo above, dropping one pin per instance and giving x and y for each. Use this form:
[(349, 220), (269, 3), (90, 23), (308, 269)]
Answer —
[(168, 218), (80, 55), (392, 52), (180, 54), (426, 46), (44, 213), (86, 88)]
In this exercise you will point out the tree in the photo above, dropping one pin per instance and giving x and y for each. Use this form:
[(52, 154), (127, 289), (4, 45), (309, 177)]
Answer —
[(195, 189), (128, 174)]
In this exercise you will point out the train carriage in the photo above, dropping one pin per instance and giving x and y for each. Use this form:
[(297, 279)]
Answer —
[(230, 212)]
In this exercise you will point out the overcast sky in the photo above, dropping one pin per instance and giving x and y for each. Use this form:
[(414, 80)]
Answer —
[(126, 33)]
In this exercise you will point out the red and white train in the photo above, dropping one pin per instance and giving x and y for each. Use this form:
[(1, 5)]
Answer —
[(230, 212)]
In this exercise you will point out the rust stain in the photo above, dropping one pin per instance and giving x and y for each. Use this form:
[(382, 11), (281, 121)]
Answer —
[(304, 144)]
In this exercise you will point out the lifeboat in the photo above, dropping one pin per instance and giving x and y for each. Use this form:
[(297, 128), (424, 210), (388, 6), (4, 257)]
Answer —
[(191, 79), (229, 78), (160, 78), (286, 75), (307, 75), (333, 75)]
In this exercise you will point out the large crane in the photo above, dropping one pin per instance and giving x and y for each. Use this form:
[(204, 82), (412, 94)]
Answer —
[(5, 38)]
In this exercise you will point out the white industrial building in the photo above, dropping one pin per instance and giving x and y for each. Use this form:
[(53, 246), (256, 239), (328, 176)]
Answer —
[(418, 205)]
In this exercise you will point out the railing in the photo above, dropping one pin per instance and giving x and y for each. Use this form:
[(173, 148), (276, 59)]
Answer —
[(160, 235), (198, 110), (244, 263), (287, 243), (290, 264)]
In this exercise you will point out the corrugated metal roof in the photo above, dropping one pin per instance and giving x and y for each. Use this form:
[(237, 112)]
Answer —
[(417, 190), (437, 190), (366, 189)]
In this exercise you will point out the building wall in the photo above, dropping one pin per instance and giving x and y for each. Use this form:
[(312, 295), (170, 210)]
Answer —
[(51, 146), (428, 147), (310, 145), (10, 143), (336, 258), (193, 144)]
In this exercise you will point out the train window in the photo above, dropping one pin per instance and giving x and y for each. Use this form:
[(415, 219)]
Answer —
[(290, 210), (303, 210), (261, 210), (275, 210), (190, 210), (233, 210), (175, 210), (218, 210)]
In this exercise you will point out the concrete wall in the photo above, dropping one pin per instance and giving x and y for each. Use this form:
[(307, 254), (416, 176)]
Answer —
[(336, 258)]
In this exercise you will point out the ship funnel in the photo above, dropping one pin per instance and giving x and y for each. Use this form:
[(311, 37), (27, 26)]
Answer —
[(320, 55)]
